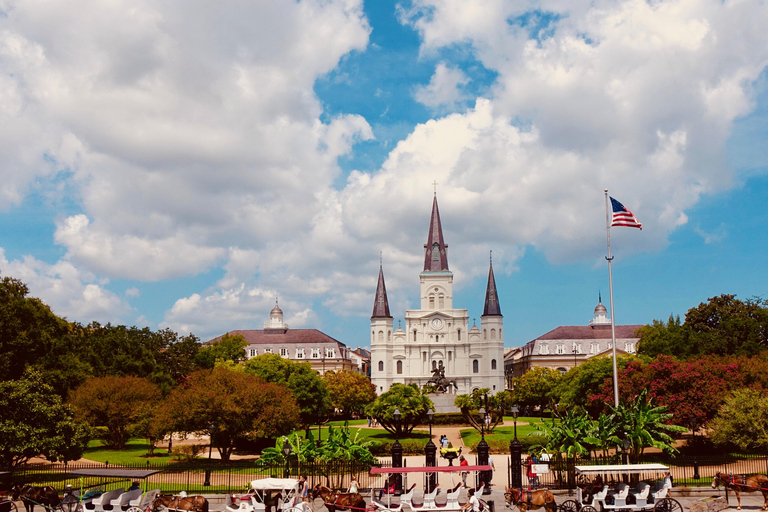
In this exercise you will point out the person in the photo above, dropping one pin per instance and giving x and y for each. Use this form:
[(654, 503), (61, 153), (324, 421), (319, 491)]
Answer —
[(444, 441), (533, 479), (134, 485), (473, 505), (463, 462), (389, 487), (353, 486), (667, 481), (303, 488)]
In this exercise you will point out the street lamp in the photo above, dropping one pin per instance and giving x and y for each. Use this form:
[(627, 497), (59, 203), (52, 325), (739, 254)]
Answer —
[(515, 410), (397, 450), (430, 453), (481, 412), (286, 453), (430, 416), (211, 431)]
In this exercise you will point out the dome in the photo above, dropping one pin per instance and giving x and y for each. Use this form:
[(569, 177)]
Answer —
[(600, 309), (277, 311)]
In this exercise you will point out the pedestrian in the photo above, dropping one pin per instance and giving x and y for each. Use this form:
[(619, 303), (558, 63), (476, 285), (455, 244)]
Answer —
[(463, 462), (303, 488), (533, 479), (353, 486), (667, 480), (473, 505)]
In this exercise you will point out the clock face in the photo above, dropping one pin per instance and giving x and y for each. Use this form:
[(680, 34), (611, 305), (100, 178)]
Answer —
[(437, 323)]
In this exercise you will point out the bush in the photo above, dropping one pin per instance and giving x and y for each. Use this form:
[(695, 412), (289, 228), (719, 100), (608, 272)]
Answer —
[(188, 452), (410, 447), (502, 445), (449, 418)]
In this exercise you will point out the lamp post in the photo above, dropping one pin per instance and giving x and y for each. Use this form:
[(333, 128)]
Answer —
[(286, 453), (483, 450), (397, 452), (626, 445), (574, 355), (430, 453), (211, 431), (515, 453)]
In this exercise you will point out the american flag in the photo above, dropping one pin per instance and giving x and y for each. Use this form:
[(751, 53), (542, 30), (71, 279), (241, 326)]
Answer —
[(623, 217)]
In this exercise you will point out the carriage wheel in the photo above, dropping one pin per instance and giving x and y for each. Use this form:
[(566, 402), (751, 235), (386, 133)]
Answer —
[(134, 509), (667, 505), (11, 506), (569, 506), (588, 508)]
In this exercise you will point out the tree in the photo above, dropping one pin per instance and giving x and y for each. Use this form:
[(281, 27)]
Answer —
[(350, 392), (28, 329), (536, 387), (179, 358), (580, 384), (569, 434), (270, 367), (409, 400), (227, 348), (34, 422), (494, 406), (120, 404), (229, 405), (742, 421)]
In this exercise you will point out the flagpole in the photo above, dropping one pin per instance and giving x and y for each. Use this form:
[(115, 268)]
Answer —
[(610, 286)]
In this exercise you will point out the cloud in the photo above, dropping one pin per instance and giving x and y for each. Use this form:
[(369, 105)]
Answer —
[(714, 236), (70, 293), (444, 88)]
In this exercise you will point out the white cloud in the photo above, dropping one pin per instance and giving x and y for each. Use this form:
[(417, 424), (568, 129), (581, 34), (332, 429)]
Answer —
[(444, 88), (70, 292)]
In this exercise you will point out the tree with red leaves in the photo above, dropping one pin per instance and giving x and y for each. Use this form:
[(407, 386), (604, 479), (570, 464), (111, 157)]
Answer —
[(228, 405)]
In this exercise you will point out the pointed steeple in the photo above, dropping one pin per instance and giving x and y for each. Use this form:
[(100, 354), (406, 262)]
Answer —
[(435, 250), (492, 306), (381, 304)]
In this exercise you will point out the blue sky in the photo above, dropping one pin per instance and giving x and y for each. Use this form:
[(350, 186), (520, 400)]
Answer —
[(181, 168)]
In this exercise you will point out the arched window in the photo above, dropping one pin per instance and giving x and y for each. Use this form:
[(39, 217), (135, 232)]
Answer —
[(431, 302), (381, 335), (475, 366), (441, 301), (493, 334), (381, 366), (434, 364), (459, 334), (414, 335), (389, 335), (399, 367), (493, 364), (485, 334)]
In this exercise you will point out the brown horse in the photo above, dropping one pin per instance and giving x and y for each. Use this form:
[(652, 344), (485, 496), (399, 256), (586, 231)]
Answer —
[(334, 500), (530, 500), (740, 484), (186, 503), (33, 495)]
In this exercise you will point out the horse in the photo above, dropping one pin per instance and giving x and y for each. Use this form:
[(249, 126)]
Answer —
[(34, 495), (529, 500), (186, 503), (334, 500), (740, 484)]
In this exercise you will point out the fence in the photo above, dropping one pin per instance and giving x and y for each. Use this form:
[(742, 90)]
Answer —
[(193, 477), (686, 471)]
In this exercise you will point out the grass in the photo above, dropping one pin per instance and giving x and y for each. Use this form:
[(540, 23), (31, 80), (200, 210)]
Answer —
[(135, 452)]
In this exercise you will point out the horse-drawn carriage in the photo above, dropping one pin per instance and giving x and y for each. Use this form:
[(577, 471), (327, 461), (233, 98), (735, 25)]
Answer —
[(631, 491), (280, 493)]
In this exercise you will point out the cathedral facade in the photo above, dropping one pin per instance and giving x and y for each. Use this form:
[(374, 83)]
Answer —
[(437, 334)]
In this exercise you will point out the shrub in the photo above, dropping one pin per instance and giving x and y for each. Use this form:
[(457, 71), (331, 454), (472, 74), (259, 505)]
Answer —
[(188, 452)]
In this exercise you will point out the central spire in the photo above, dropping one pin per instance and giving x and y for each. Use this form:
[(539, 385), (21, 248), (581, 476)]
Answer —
[(435, 250)]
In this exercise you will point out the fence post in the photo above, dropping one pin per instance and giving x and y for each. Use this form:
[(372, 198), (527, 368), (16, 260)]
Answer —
[(482, 459), (397, 462), (430, 453), (515, 469)]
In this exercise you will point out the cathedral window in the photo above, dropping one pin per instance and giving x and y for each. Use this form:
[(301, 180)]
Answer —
[(493, 334), (431, 302), (435, 251), (475, 366), (485, 334), (414, 335), (399, 367), (441, 302), (434, 364), (424, 356), (381, 335), (459, 334), (389, 335), (450, 356), (381, 366), (493, 364), (501, 334)]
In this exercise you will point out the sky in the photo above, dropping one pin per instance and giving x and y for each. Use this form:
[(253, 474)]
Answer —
[(182, 165)]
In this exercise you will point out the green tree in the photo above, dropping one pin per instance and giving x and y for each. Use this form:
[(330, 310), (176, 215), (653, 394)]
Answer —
[(536, 388), (408, 399), (270, 368), (235, 404), (494, 406), (34, 422), (179, 358), (580, 384), (230, 347), (121, 404), (742, 421), (350, 392), (28, 330)]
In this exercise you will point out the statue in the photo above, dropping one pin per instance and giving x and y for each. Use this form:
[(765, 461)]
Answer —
[(439, 379)]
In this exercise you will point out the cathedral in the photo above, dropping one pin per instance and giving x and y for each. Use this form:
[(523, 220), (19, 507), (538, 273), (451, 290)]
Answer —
[(438, 335)]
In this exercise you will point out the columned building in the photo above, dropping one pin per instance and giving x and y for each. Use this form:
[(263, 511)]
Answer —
[(437, 333)]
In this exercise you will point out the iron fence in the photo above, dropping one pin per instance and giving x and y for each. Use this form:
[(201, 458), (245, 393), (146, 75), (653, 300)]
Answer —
[(193, 477)]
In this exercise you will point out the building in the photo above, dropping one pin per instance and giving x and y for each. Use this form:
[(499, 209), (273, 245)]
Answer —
[(362, 358), (567, 346), (437, 333), (299, 345)]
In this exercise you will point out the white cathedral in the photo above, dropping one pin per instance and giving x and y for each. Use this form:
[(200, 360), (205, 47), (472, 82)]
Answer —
[(437, 333)]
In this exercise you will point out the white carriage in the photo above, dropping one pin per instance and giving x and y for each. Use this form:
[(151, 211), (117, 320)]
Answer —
[(115, 500), (283, 493), (429, 500), (648, 491)]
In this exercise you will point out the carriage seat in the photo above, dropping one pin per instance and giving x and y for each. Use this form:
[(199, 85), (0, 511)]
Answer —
[(600, 495), (620, 498), (104, 502), (407, 497), (122, 500), (429, 498), (451, 497), (641, 494), (660, 494), (144, 501)]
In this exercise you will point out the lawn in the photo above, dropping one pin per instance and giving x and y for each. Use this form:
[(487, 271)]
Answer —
[(134, 453), (502, 436)]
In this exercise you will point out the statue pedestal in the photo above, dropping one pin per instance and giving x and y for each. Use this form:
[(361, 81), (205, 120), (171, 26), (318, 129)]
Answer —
[(443, 402)]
